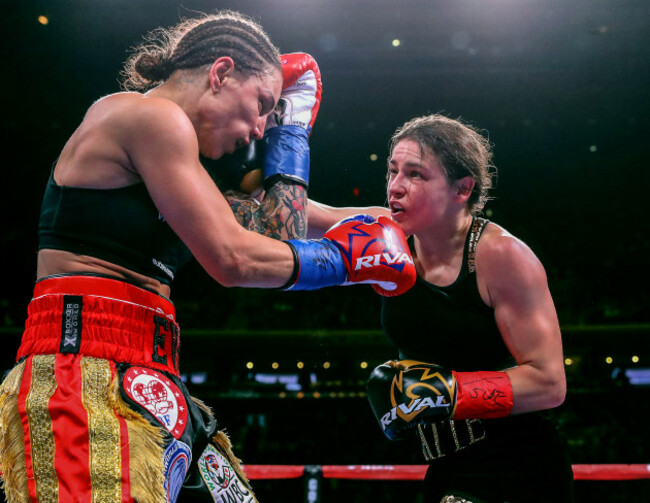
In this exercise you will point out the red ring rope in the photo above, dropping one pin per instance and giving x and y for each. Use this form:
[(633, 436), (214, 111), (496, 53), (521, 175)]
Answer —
[(416, 472)]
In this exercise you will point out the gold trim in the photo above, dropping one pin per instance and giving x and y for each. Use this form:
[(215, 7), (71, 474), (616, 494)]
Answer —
[(454, 499), (146, 451), (436, 440), (13, 466), (42, 387), (428, 455), (470, 429), (103, 431), (455, 435)]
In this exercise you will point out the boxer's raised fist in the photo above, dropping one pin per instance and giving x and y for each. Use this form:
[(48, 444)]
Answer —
[(286, 138), (301, 92)]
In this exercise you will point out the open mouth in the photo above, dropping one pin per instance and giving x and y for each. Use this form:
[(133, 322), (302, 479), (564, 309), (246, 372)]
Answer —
[(396, 208)]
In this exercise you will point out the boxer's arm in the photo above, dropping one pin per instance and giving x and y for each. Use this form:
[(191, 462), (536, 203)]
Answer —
[(280, 214), (517, 287), (275, 170), (322, 217), (161, 143), (513, 281)]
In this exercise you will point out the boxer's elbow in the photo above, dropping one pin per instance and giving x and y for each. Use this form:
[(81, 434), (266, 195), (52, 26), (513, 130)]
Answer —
[(229, 274), (227, 265), (234, 268), (554, 390), (537, 388)]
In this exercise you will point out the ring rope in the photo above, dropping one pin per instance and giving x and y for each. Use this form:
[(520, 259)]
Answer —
[(416, 472)]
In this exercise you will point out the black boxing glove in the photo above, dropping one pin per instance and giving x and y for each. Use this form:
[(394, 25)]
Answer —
[(240, 171), (405, 393)]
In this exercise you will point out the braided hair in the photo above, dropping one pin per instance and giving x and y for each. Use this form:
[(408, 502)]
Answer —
[(198, 42)]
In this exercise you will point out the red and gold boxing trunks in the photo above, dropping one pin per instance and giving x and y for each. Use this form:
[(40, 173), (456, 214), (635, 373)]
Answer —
[(95, 409)]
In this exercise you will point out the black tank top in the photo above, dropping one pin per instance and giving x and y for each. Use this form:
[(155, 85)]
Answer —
[(448, 325), (121, 226)]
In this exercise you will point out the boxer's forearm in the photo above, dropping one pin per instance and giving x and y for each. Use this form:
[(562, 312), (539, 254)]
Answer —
[(281, 213)]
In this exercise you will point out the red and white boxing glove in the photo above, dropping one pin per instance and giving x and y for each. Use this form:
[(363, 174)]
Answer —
[(286, 138), (302, 89), (356, 250)]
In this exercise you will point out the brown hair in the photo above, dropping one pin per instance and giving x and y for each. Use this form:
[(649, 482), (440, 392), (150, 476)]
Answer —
[(460, 148), (197, 42)]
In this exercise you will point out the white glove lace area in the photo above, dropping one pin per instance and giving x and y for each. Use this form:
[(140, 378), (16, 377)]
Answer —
[(296, 103)]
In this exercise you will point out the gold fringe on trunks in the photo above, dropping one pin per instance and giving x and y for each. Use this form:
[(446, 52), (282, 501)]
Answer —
[(145, 451), (225, 446), (223, 442), (145, 443), (12, 441)]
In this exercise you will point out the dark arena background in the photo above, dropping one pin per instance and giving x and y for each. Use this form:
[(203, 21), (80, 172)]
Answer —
[(561, 86)]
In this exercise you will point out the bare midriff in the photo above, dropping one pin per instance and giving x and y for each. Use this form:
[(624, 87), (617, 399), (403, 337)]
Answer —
[(51, 262)]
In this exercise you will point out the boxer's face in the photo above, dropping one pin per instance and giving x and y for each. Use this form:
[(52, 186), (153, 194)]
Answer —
[(419, 193), (237, 112)]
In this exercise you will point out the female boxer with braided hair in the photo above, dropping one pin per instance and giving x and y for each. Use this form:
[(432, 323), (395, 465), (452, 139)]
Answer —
[(95, 410), (480, 351)]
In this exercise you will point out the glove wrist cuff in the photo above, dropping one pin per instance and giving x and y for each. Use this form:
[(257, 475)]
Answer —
[(483, 395), (296, 268), (319, 265), (287, 153)]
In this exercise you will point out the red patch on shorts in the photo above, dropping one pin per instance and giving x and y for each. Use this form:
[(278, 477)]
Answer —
[(159, 395)]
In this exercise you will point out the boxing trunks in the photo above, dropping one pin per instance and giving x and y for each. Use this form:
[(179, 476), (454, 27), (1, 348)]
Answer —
[(95, 409), (518, 459)]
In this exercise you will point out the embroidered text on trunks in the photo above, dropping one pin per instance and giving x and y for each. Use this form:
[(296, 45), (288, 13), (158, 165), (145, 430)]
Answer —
[(163, 328), (71, 324)]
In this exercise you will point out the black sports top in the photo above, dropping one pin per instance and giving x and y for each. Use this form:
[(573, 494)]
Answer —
[(122, 226), (448, 325)]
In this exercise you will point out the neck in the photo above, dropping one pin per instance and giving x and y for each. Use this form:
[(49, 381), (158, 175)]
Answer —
[(179, 88), (441, 243)]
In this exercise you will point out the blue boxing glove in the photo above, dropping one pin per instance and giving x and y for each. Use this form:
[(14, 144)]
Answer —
[(286, 138), (356, 250)]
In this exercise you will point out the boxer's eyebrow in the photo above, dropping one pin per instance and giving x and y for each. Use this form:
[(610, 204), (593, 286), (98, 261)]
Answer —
[(268, 101), (407, 164)]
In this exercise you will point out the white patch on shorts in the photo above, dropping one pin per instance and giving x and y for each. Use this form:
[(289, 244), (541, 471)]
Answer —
[(158, 395), (221, 478)]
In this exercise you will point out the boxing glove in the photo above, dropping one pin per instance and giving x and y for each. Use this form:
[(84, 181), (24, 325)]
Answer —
[(284, 151), (286, 137), (356, 250), (405, 393), (240, 171)]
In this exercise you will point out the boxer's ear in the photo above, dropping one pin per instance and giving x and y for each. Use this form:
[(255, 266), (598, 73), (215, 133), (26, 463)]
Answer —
[(463, 188), (220, 71)]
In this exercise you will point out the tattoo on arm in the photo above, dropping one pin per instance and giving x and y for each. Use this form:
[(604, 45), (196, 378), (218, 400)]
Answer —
[(282, 213)]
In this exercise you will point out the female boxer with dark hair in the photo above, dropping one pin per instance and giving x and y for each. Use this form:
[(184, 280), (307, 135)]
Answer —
[(95, 410), (480, 349)]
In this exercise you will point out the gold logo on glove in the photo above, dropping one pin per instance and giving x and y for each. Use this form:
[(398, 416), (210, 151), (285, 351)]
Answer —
[(418, 404)]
